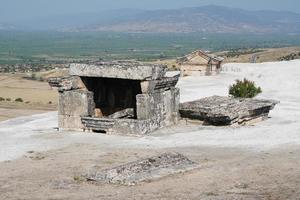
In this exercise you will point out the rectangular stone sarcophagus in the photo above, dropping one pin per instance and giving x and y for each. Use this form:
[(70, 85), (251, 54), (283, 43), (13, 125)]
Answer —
[(117, 98)]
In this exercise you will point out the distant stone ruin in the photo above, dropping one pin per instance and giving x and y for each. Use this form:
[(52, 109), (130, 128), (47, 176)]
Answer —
[(223, 111), (199, 63), (117, 98), (143, 170)]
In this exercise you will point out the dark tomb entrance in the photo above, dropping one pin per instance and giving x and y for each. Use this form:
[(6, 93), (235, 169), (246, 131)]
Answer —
[(113, 95)]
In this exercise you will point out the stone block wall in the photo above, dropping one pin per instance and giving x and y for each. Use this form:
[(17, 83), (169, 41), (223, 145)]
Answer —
[(161, 106), (72, 105), (130, 98)]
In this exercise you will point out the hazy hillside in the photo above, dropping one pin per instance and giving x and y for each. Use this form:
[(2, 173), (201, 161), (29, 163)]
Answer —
[(201, 19), (205, 19), (76, 21), (4, 26)]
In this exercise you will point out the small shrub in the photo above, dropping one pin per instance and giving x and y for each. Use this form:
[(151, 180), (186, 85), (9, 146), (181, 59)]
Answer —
[(244, 89), (41, 79), (8, 99), (33, 76), (18, 100), (78, 178), (50, 102), (2, 99)]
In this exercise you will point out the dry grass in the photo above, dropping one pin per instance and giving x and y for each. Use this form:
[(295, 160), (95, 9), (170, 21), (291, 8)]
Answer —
[(171, 63), (37, 96), (14, 86), (267, 55)]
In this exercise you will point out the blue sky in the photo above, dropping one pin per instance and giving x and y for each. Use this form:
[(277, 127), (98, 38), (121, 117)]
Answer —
[(13, 10)]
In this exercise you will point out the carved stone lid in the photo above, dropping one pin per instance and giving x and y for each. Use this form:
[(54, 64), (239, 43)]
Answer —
[(120, 70)]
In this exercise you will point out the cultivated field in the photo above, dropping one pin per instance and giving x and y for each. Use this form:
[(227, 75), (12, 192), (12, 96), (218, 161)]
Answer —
[(58, 47)]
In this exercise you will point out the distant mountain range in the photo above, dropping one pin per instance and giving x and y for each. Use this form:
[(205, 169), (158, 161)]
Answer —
[(4, 26), (206, 19)]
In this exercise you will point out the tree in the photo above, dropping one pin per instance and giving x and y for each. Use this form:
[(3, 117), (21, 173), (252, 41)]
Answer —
[(244, 89), (18, 100)]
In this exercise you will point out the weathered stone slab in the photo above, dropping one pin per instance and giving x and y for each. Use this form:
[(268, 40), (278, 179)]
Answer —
[(98, 124), (120, 126), (120, 70), (174, 107), (135, 127), (70, 123), (161, 105), (217, 110), (66, 83), (72, 105), (76, 103), (165, 83), (126, 113), (54, 82), (145, 106), (148, 169)]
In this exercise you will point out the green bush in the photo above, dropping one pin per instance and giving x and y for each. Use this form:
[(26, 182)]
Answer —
[(8, 99), (244, 89), (33, 76), (18, 100), (2, 99), (41, 79)]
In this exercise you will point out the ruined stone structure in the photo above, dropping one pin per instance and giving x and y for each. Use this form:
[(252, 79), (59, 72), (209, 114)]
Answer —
[(200, 63), (117, 98), (223, 111)]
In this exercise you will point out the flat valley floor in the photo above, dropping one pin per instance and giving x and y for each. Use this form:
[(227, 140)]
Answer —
[(250, 162)]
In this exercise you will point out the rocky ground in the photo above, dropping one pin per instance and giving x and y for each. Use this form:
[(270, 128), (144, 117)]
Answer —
[(223, 174)]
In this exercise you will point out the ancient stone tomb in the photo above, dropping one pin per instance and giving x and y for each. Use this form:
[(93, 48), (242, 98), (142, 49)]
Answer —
[(117, 98), (224, 111), (200, 63)]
